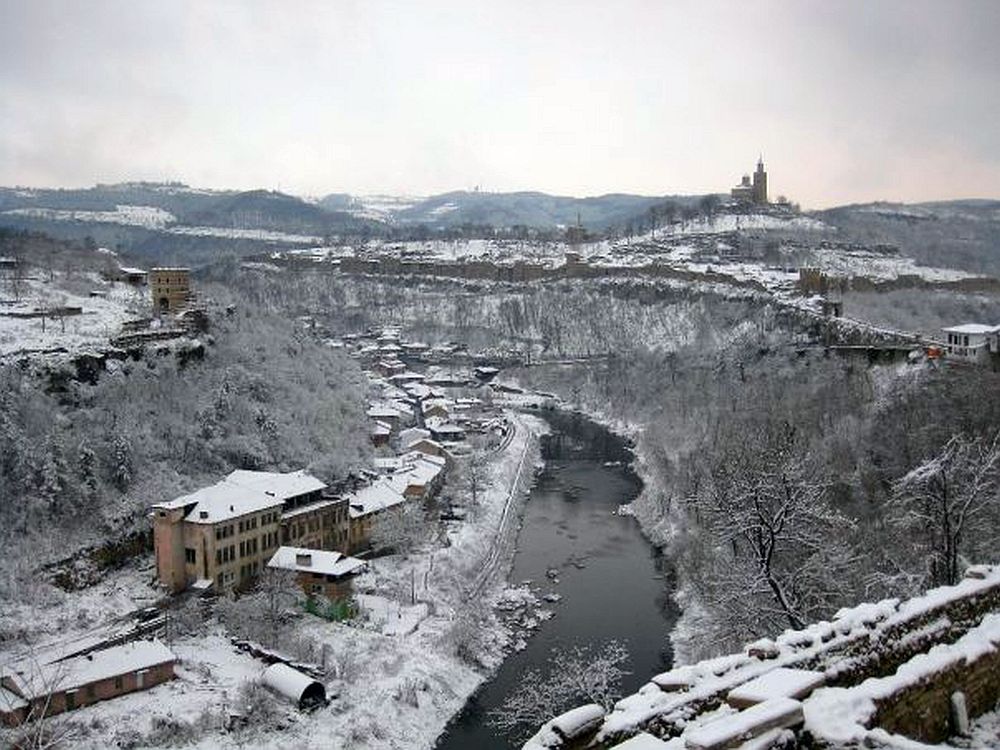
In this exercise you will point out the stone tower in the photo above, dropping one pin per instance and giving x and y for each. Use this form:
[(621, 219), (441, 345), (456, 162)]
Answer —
[(760, 183)]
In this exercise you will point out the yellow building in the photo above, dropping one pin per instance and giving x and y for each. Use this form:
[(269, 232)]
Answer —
[(222, 536), (170, 289)]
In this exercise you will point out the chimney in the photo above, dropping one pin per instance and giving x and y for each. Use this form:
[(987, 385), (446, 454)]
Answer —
[(304, 559)]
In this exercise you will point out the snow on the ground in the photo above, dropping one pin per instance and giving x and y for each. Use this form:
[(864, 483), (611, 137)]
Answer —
[(394, 675), (878, 266), (149, 217), (102, 316), (985, 730), (262, 235), (727, 222), (381, 207), (39, 616)]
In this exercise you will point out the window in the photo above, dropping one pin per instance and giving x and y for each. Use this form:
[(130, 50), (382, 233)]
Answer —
[(118, 682), (70, 700), (91, 693), (243, 549), (241, 527), (189, 555), (218, 557)]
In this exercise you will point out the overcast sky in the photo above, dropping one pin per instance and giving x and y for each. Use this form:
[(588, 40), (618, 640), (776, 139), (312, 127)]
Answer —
[(848, 101)]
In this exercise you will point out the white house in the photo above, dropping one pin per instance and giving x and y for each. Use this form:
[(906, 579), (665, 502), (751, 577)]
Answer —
[(971, 341)]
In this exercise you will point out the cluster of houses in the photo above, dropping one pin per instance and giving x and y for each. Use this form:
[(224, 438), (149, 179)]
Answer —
[(221, 537)]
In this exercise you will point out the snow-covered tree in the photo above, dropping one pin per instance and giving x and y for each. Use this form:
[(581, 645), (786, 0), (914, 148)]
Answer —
[(948, 507), (400, 529), (573, 676)]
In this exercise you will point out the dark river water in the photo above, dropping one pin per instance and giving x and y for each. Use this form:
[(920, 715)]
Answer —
[(610, 578)]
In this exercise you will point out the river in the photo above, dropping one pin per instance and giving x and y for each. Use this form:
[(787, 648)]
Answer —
[(610, 578)]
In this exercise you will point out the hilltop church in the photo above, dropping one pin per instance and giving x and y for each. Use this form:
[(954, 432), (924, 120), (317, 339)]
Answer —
[(756, 192)]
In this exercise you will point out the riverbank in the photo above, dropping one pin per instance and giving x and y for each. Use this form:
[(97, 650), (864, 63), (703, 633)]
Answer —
[(587, 563), (653, 508)]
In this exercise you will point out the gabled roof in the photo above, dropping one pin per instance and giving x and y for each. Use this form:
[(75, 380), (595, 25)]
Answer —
[(242, 492), (220, 502), (324, 562), (282, 486), (32, 681), (377, 496)]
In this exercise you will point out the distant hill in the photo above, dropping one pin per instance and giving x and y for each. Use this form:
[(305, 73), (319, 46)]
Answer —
[(504, 210), (266, 209), (173, 220), (962, 234)]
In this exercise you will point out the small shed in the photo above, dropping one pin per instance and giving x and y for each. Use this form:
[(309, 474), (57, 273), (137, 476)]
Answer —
[(290, 683)]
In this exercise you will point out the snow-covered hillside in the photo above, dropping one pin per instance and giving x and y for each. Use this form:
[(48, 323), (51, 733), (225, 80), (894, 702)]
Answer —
[(101, 317)]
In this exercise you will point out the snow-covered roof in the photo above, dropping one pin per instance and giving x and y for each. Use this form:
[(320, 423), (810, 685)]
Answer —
[(220, 502), (243, 492), (33, 681), (281, 486), (411, 445), (972, 329), (388, 463), (377, 496), (412, 434), (383, 412), (324, 562), (9, 701)]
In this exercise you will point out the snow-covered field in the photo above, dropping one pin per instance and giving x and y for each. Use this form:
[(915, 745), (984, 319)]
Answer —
[(262, 235), (880, 267), (102, 316), (149, 217), (725, 222)]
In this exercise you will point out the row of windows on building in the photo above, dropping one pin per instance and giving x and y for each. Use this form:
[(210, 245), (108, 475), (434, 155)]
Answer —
[(91, 692), (329, 520), (228, 554), (224, 532)]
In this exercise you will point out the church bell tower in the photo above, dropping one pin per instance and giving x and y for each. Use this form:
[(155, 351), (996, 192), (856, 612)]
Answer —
[(760, 183)]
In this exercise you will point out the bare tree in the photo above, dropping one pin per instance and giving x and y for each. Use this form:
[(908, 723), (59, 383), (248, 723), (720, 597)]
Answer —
[(774, 544), (581, 674), (475, 473), (949, 505), (400, 529)]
